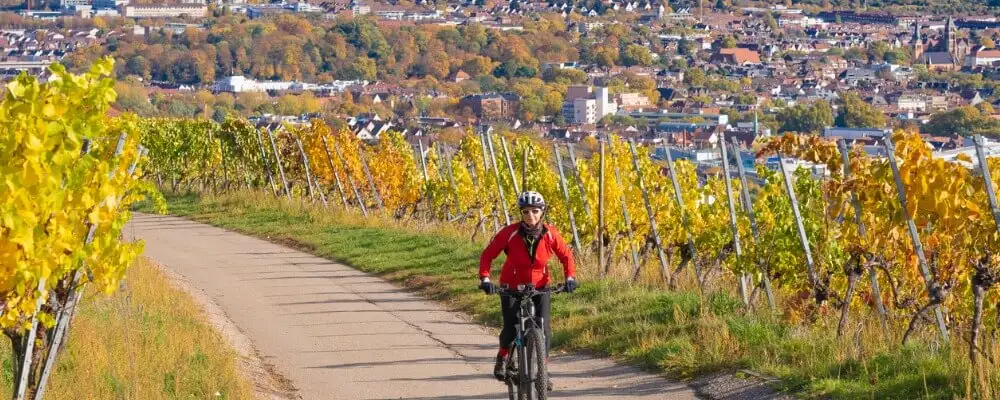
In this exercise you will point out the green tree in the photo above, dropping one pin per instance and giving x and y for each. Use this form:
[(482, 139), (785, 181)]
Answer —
[(806, 118), (856, 113), (695, 77), (637, 55), (362, 68), (728, 42), (965, 121)]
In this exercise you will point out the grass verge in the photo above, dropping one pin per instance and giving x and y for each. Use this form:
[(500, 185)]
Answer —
[(147, 341), (681, 333)]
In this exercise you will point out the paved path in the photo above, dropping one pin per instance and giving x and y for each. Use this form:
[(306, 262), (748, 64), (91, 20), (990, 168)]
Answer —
[(338, 333)]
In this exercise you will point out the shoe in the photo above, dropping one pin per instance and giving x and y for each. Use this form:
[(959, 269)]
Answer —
[(500, 369)]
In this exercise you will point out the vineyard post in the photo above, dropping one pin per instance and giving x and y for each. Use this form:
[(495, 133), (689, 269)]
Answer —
[(625, 217), (524, 167), (427, 182), (225, 169), (684, 217), (732, 219), (267, 163), (652, 219), (510, 165), (443, 177), (915, 237), (569, 207), (803, 239), (475, 183), (66, 312), (347, 175), (277, 159), (486, 170), (576, 173), (980, 285), (748, 207), (305, 165), (496, 173), (368, 174), (333, 171), (601, 263), (991, 194), (873, 276), (451, 180)]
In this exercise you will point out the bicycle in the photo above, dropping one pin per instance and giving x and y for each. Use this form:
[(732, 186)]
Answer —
[(527, 375)]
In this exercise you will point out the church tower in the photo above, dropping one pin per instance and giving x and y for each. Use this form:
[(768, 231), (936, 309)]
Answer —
[(917, 42), (950, 38)]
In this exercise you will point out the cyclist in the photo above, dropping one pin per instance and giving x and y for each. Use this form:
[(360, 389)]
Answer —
[(528, 244)]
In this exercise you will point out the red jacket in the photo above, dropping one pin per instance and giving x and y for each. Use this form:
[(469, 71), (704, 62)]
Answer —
[(519, 268)]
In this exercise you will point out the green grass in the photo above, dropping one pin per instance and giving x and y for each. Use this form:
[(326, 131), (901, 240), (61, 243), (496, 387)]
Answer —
[(680, 333)]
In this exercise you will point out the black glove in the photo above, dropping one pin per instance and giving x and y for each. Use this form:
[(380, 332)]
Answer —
[(487, 287), (571, 284)]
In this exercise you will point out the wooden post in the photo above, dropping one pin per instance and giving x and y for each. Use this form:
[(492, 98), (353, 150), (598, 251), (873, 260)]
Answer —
[(803, 239), (368, 174), (305, 165), (423, 168), (496, 173), (443, 177), (576, 173), (684, 217), (732, 220), (524, 167), (277, 159), (625, 217), (333, 171), (602, 262), (876, 293), (914, 236), (347, 174), (451, 179), (569, 207), (748, 207), (267, 164), (991, 194), (649, 210), (510, 165)]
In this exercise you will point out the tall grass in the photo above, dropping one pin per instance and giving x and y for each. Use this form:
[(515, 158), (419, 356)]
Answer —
[(682, 333), (147, 341)]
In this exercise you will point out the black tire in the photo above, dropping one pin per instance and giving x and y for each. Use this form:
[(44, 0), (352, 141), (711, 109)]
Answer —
[(523, 371), (511, 380), (536, 359)]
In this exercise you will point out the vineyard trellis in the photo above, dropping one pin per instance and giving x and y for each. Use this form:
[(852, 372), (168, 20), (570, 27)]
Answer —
[(913, 223)]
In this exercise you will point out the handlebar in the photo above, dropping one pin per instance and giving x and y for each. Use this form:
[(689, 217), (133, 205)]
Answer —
[(528, 290)]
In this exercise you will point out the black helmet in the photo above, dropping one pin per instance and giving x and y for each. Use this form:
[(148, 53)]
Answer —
[(530, 199)]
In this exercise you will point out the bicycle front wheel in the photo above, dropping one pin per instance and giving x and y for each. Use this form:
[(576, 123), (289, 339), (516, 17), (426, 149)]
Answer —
[(539, 370), (512, 371)]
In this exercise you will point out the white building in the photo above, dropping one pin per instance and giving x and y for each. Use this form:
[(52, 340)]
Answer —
[(165, 11), (855, 133), (911, 102), (242, 84), (586, 106), (984, 57)]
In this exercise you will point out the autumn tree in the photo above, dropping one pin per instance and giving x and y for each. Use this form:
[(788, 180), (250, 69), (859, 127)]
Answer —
[(637, 55), (857, 113)]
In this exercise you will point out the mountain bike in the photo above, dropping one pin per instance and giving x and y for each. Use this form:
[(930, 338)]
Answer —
[(527, 374)]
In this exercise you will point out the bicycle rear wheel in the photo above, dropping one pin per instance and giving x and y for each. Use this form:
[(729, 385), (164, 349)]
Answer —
[(538, 385)]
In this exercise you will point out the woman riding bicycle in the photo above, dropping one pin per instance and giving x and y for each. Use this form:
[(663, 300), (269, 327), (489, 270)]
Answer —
[(528, 244)]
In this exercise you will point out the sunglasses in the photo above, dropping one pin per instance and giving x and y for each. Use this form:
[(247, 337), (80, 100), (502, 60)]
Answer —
[(528, 211)]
